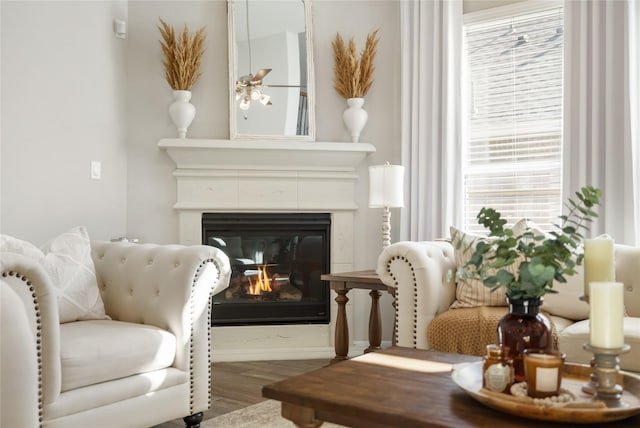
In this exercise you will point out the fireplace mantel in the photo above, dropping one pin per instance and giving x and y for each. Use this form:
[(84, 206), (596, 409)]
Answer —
[(228, 176), (265, 154)]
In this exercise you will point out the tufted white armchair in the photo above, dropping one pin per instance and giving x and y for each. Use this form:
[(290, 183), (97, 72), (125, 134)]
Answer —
[(423, 276), (148, 364)]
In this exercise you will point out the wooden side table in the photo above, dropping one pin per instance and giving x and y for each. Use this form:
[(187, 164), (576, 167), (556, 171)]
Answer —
[(341, 283)]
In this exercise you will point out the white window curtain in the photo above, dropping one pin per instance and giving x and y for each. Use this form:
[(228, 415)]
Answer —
[(601, 114), (431, 53)]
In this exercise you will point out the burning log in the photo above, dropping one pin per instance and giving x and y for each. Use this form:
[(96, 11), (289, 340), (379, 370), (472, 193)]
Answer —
[(257, 284)]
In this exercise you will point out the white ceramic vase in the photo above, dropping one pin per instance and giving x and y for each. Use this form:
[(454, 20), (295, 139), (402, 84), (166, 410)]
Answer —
[(182, 112), (355, 118)]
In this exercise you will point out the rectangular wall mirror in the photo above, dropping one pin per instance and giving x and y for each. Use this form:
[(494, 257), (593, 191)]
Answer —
[(271, 70)]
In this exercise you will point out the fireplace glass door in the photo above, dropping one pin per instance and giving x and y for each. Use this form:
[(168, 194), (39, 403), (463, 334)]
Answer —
[(276, 261)]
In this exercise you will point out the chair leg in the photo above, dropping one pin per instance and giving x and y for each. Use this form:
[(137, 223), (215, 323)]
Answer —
[(193, 421)]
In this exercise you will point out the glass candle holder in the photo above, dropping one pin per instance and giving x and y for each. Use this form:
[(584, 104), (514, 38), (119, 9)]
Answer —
[(497, 369), (543, 372)]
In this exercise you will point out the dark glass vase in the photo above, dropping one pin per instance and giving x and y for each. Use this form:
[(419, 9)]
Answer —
[(524, 327)]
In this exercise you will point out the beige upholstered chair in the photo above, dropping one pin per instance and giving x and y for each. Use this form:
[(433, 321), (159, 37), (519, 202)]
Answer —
[(147, 364), (423, 275)]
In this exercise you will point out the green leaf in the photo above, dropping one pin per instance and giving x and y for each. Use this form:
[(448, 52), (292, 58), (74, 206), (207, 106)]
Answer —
[(491, 281), (491, 219), (504, 277)]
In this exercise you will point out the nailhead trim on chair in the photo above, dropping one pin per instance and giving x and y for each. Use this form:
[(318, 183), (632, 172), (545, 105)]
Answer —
[(209, 310), (395, 295), (36, 307), (415, 293), (191, 340)]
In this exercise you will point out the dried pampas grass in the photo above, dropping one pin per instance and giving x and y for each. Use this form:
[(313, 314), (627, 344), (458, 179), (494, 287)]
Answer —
[(182, 56), (353, 76)]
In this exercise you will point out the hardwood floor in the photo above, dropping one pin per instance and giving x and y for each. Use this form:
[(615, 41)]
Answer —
[(239, 384)]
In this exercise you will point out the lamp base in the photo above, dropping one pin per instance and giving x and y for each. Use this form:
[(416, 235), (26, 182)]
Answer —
[(386, 227)]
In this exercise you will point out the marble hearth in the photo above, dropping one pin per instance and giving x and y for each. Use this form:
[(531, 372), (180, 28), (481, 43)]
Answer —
[(270, 176)]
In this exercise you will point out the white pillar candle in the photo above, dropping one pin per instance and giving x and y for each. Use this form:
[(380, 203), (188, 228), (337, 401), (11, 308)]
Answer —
[(606, 312), (598, 261)]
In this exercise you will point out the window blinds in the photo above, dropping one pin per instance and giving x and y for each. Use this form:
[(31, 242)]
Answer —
[(513, 141)]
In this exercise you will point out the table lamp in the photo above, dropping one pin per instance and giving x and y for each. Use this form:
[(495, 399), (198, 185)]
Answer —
[(386, 190)]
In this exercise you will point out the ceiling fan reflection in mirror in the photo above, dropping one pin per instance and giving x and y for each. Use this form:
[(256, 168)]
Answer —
[(249, 87)]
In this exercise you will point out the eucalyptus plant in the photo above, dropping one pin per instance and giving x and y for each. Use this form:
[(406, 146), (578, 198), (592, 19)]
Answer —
[(542, 258)]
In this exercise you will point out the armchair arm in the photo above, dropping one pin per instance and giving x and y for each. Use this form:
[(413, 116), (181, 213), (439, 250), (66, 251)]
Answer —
[(33, 287), (419, 271), (169, 286), (18, 359)]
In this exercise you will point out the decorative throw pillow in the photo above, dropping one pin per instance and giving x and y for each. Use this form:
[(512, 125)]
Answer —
[(628, 272), (472, 292), (566, 302), (67, 260)]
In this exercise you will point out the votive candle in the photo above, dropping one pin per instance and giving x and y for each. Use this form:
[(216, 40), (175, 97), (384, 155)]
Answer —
[(598, 261), (543, 372), (606, 313)]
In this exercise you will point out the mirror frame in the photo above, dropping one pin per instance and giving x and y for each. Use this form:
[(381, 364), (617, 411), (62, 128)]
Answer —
[(233, 74)]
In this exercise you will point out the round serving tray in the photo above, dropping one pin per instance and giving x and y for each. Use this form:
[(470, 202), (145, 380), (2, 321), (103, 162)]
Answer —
[(468, 376)]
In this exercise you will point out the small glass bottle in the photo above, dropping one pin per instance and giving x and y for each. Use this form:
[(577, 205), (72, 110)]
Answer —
[(497, 369)]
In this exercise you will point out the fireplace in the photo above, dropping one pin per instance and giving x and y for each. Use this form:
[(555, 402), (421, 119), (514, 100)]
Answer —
[(276, 261), (270, 176)]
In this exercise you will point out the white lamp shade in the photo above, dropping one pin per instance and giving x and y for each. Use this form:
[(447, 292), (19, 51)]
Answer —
[(386, 186)]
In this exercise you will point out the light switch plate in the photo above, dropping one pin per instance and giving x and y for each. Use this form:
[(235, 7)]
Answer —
[(96, 170)]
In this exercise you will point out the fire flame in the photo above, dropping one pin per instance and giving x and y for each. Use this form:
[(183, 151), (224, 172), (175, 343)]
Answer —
[(261, 283)]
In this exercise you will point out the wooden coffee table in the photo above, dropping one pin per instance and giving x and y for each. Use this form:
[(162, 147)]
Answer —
[(395, 387)]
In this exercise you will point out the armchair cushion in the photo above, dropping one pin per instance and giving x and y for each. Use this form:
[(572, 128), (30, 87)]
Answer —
[(67, 261), (101, 350), (566, 302)]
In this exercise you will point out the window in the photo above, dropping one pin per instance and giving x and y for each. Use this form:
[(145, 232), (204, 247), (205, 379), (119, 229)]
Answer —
[(513, 132)]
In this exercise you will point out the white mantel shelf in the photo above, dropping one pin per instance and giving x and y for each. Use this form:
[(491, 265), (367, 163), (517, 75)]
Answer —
[(190, 153)]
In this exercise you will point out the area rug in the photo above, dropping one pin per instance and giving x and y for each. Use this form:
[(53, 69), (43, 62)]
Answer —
[(262, 415)]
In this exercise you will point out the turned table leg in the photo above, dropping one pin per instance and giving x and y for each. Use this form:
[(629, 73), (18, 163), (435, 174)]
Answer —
[(375, 323), (342, 328)]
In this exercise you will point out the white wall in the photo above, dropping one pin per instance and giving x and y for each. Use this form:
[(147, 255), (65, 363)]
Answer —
[(60, 60), (151, 186), (63, 92)]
